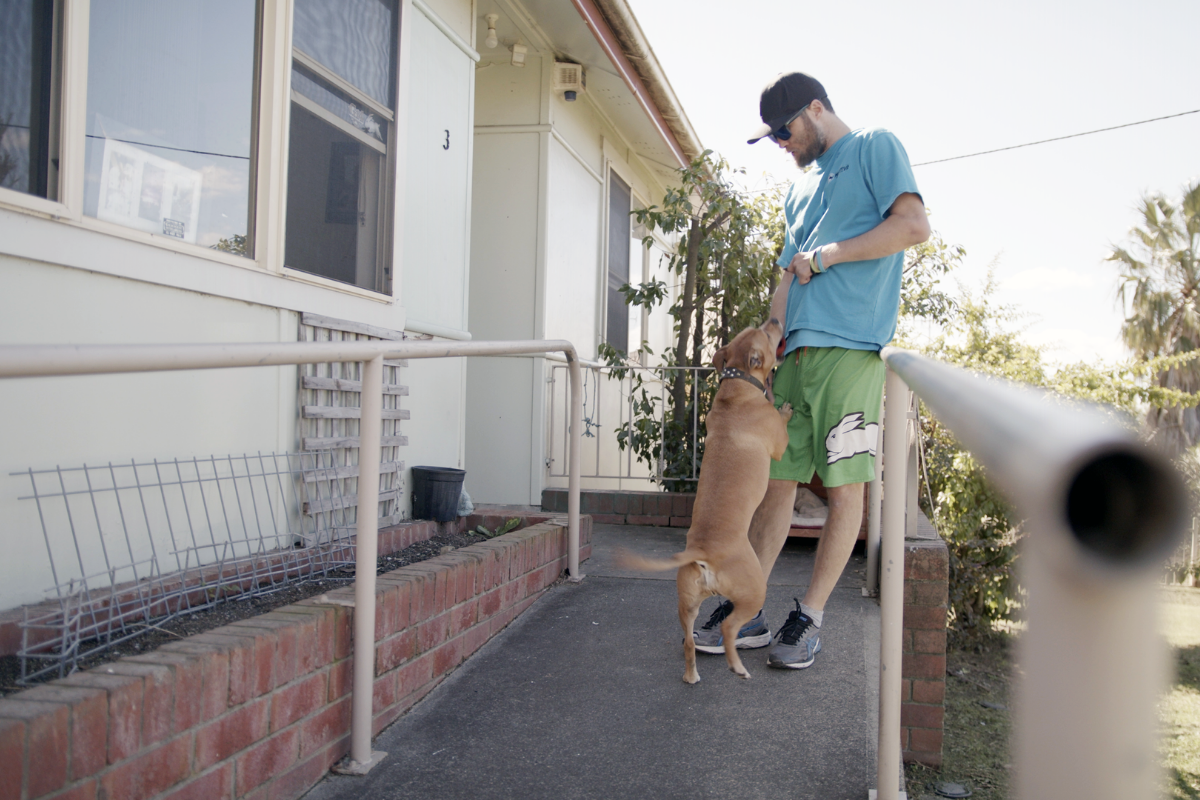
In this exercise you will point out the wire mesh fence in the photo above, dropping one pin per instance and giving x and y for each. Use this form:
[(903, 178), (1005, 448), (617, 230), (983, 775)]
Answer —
[(132, 545)]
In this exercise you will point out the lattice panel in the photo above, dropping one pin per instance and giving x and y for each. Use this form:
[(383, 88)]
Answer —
[(330, 399)]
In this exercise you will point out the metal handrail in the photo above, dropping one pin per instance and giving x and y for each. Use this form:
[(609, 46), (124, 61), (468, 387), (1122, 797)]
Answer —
[(1101, 511), (26, 361)]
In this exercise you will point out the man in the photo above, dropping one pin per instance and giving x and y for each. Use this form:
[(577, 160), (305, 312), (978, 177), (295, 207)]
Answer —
[(848, 220)]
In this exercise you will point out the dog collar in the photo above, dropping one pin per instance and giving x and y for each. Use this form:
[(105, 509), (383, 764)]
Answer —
[(734, 372)]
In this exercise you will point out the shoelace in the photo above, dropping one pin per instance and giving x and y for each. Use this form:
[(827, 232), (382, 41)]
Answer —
[(718, 616), (797, 623)]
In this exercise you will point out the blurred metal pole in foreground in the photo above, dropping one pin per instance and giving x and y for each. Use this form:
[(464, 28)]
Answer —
[(1102, 512)]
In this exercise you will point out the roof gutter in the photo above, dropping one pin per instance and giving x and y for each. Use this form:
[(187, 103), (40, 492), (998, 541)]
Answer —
[(617, 32)]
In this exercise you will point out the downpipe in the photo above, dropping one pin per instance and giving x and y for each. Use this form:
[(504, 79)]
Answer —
[(1102, 512)]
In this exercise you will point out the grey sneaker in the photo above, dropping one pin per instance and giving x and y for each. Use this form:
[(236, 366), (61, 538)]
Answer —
[(753, 634), (797, 643)]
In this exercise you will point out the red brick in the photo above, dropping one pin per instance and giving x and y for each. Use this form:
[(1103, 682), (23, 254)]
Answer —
[(463, 616), (656, 520), (383, 692), (252, 665), (286, 657), (523, 606), (510, 593), (328, 726), (400, 603), (89, 725), (413, 676), (926, 740), (928, 593), (124, 709), (634, 503), (151, 773), (923, 618), (158, 697), (680, 522), (433, 632), (341, 679), (188, 682), (926, 563), (235, 731), (923, 666), (301, 777), (932, 642), (262, 762), (395, 650), (929, 692), (448, 656), (298, 700), (609, 519), (489, 604), (314, 636), (84, 791), (210, 785), (443, 590), (214, 667), (913, 715), (12, 757), (474, 639), (500, 621)]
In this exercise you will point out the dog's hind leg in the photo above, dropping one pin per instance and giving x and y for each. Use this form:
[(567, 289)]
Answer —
[(688, 584), (742, 613)]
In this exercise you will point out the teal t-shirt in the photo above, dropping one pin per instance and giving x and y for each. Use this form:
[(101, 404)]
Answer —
[(847, 193)]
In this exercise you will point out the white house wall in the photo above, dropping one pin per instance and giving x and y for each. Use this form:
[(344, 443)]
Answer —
[(437, 177), (95, 420)]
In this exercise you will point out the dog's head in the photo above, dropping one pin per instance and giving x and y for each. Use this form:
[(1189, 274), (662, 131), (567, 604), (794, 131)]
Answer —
[(752, 351)]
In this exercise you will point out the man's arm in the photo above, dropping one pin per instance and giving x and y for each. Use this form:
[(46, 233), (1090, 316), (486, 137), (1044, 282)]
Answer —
[(905, 226)]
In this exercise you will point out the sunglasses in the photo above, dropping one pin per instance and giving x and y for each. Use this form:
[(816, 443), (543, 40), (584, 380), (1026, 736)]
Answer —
[(782, 134)]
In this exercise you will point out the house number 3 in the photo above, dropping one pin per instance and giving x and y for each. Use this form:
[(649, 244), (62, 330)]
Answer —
[(446, 146)]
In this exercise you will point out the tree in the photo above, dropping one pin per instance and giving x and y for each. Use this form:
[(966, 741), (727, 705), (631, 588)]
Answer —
[(728, 240), (1158, 287)]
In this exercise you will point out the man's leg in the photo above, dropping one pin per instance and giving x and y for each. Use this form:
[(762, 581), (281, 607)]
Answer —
[(836, 543), (771, 522)]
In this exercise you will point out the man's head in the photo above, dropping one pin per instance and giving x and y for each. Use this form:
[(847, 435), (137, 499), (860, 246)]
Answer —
[(791, 107)]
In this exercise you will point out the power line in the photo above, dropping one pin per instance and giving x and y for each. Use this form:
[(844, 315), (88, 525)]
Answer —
[(1057, 138)]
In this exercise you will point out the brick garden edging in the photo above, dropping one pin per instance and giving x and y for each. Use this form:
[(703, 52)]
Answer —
[(923, 694), (261, 708)]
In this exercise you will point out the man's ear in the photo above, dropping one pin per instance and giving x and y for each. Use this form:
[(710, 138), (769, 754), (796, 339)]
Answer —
[(719, 357)]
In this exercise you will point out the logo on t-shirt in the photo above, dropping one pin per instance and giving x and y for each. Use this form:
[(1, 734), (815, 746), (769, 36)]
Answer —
[(833, 175)]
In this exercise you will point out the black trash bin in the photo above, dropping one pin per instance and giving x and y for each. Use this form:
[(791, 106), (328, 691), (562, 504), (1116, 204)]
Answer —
[(436, 491)]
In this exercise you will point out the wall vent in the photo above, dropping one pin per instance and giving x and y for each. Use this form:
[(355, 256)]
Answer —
[(568, 77)]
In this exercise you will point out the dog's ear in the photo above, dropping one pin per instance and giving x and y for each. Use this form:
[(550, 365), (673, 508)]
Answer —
[(719, 357)]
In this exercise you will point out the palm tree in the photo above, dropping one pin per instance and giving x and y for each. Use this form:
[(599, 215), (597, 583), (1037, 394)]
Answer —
[(1159, 289)]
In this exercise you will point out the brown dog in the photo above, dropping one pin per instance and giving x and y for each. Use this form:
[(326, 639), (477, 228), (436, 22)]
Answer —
[(744, 433)]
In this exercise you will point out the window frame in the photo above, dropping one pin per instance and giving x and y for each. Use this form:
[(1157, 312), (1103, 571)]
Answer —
[(271, 104)]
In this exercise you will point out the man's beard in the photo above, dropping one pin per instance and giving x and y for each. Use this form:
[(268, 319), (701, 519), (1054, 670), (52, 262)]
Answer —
[(816, 144)]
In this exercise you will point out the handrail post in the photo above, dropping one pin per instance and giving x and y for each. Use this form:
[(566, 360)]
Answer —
[(573, 459), (891, 586), (370, 429), (874, 509)]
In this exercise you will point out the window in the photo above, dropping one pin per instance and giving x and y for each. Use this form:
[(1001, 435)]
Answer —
[(340, 140), (28, 90), (616, 329), (170, 119)]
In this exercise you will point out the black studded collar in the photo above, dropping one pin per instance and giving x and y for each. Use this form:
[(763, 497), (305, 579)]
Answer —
[(734, 372)]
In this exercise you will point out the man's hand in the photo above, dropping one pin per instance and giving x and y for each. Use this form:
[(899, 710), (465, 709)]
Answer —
[(801, 267)]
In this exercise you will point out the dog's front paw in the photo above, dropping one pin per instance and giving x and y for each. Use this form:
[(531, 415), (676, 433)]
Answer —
[(785, 411), (741, 672)]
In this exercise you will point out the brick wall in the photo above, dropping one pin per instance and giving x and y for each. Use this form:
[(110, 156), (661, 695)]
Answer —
[(660, 509), (261, 708), (926, 582)]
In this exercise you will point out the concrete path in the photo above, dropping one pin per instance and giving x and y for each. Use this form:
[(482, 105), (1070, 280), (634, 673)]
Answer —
[(582, 697)]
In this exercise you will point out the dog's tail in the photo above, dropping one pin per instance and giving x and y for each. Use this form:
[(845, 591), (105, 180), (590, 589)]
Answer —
[(630, 560)]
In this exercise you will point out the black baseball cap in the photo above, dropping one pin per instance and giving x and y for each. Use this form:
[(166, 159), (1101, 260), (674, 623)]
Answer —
[(782, 98)]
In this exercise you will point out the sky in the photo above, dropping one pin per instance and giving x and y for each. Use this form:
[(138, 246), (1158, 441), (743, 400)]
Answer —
[(952, 78)]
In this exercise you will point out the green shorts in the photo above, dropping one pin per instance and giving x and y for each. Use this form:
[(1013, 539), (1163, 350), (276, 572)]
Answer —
[(835, 395)]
